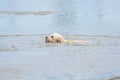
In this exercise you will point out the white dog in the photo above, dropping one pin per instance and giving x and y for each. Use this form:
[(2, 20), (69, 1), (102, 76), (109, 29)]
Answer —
[(57, 38)]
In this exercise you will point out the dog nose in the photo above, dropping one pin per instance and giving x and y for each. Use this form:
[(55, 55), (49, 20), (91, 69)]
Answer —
[(51, 36), (46, 37)]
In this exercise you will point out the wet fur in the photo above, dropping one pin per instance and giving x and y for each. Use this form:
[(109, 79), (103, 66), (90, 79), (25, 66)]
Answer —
[(57, 38)]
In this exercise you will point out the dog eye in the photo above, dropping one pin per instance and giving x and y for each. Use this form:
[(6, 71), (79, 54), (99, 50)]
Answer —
[(46, 37), (57, 40), (51, 36)]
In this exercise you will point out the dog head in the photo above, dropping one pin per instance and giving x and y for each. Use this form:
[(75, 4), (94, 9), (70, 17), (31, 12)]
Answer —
[(54, 38)]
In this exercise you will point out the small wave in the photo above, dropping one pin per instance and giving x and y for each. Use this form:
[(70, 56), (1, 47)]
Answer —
[(8, 48), (107, 36), (27, 12), (115, 78), (21, 35)]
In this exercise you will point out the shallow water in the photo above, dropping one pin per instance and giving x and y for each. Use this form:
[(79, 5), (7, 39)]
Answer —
[(28, 58), (25, 56)]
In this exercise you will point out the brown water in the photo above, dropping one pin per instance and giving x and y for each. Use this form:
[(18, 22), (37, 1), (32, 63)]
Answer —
[(27, 57)]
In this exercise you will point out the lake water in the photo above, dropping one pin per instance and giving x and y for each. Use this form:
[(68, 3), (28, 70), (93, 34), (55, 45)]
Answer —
[(25, 56), (88, 17)]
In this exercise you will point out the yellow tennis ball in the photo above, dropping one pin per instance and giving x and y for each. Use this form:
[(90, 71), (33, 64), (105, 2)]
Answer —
[(69, 42)]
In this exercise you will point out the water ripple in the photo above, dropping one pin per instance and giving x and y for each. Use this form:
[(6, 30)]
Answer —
[(27, 12)]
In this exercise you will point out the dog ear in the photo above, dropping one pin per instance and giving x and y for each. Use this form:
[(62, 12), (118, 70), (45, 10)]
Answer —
[(52, 36)]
